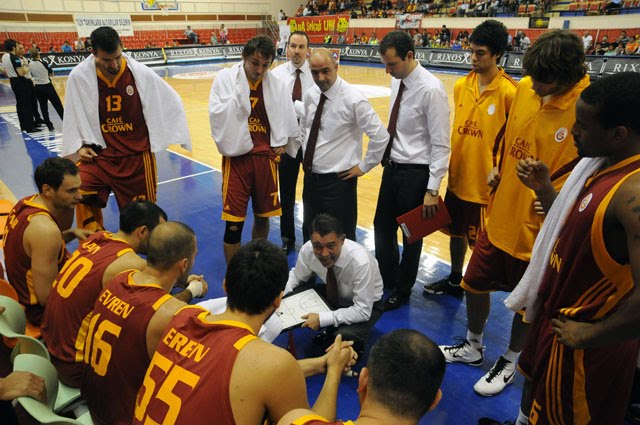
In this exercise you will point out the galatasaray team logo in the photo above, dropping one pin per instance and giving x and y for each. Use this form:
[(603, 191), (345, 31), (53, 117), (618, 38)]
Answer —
[(561, 134), (585, 202), (492, 109), (130, 90)]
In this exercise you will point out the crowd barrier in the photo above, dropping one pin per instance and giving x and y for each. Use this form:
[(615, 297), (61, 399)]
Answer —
[(459, 60)]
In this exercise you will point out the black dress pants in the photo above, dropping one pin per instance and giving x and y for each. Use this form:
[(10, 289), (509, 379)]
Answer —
[(329, 194), (23, 90), (288, 169), (47, 93), (402, 189)]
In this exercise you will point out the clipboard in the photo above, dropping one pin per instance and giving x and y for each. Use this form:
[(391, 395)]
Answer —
[(414, 227), (296, 305)]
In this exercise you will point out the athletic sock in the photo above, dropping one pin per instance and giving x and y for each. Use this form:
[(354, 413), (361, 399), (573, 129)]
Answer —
[(522, 419), (455, 278), (511, 356), (474, 339)]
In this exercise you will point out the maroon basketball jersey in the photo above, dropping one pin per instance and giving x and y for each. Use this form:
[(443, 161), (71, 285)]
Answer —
[(121, 117), (115, 352), (259, 127), (582, 281), (74, 293), (17, 261), (193, 363)]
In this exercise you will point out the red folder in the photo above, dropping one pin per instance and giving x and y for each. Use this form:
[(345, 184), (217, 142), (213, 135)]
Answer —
[(414, 227)]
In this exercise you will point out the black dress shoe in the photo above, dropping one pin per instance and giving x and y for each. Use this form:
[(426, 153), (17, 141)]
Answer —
[(288, 246), (395, 301), (50, 126)]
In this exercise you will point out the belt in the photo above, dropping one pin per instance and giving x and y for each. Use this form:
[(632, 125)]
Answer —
[(323, 176), (400, 166)]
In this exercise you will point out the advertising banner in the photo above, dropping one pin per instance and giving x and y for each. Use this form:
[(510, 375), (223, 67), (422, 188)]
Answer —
[(320, 25), (86, 23), (408, 21)]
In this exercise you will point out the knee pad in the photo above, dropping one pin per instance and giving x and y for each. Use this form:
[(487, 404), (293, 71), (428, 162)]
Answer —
[(233, 232)]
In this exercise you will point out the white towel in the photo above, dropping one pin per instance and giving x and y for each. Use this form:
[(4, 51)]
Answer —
[(161, 105), (230, 107), (526, 293)]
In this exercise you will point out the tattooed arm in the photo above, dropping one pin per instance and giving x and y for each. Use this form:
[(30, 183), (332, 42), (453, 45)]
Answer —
[(622, 239)]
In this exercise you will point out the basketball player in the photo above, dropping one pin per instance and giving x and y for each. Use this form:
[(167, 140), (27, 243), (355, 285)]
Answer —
[(542, 113), (482, 100), (251, 126), (118, 112), (390, 392), (215, 365), (36, 231), (98, 259)]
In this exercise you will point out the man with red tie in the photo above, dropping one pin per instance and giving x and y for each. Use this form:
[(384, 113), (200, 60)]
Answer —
[(335, 116), (297, 75), (415, 162), (353, 286)]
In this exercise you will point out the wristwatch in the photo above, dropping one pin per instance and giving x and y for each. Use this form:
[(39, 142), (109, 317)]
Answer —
[(433, 192)]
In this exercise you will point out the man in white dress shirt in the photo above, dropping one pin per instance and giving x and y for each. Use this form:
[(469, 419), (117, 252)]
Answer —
[(416, 161), (356, 299), (297, 75), (332, 149)]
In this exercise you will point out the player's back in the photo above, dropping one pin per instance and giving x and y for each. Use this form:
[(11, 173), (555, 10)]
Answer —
[(71, 301), (116, 356), (195, 360)]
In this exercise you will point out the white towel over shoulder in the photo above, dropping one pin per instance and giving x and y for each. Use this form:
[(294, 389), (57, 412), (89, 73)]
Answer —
[(161, 105), (526, 293), (230, 107)]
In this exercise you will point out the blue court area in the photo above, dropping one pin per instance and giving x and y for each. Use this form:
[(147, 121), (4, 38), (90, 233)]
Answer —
[(190, 192)]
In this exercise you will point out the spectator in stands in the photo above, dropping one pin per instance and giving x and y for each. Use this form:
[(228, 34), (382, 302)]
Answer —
[(364, 39), (525, 42), (604, 43), (611, 51), (633, 46), (191, 35), (300, 11), (341, 39), (214, 39), (445, 36), (281, 15), (52, 49), (619, 50), (224, 33), (623, 38), (462, 9), (87, 44), (78, 45), (66, 47), (175, 44), (307, 10), (598, 50), (493, 8), (373, 40), (612, 6), (356, 39), (587, 40)]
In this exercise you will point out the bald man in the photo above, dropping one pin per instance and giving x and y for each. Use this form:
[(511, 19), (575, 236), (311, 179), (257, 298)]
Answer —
[(335, 117)]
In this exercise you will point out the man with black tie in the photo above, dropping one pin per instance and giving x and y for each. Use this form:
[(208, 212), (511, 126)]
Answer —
[(335, 117), (297, 75), (415, 161), (353, 286)]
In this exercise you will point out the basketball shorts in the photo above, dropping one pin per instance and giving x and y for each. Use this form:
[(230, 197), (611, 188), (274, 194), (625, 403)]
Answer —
[(129, 177), (491, 269), (249, 176), (467, 218)]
